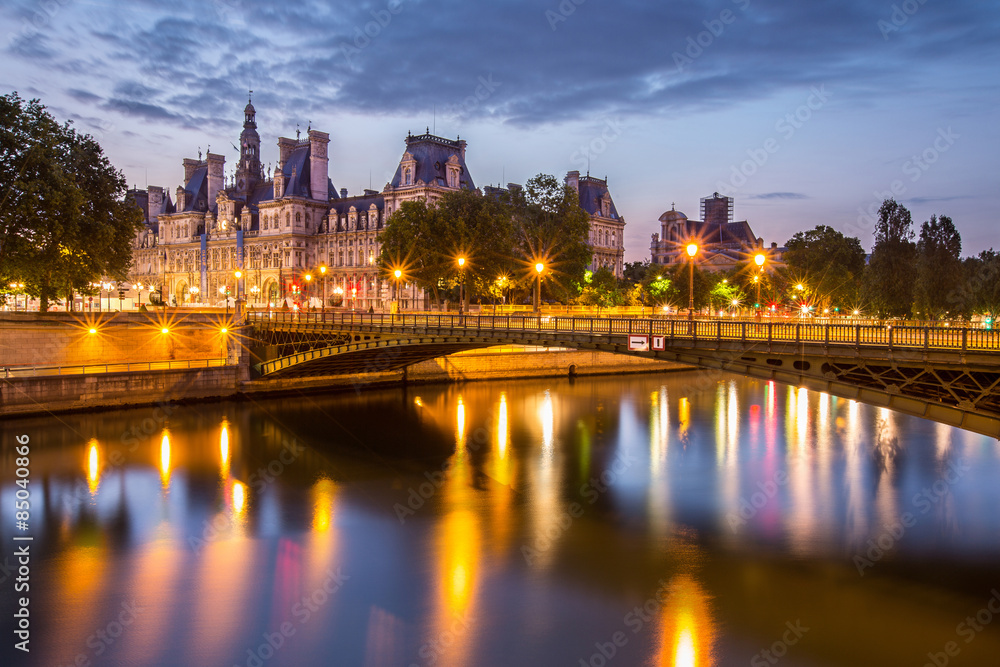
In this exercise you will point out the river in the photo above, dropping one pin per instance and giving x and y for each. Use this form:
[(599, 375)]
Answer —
[(683, 519)]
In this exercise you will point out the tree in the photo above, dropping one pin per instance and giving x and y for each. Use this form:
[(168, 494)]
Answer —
[(64, 219), (980, 291), (635, 272), (553, 230), (601, 289), (829, 262), (891, 270), (939, 269)]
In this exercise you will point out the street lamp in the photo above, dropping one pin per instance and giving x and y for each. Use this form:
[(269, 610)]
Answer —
[(107, 288), (692, 250), (308, 278), (461, 287), (254, 290), (322, 271), (194, 292), (759, 261), (399, 304), (539, 267), (238, 274), (224, 291)]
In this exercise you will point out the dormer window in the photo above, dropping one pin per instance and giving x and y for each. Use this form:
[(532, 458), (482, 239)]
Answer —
[(407, 177)]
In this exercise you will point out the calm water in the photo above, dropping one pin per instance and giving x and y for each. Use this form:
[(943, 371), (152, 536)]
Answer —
[(685, 519)]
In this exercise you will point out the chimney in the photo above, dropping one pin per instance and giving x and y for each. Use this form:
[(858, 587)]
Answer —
[(189, 168), (319, 165), (285, 146), (181, 198), (343, 193), (157, 204), (216, 174), (279, 181), (573, 180)]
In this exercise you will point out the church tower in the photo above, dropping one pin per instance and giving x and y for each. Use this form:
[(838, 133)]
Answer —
[(249, 173)]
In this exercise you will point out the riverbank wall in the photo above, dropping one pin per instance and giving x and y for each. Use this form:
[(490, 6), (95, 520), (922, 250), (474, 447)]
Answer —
[(21, 396)]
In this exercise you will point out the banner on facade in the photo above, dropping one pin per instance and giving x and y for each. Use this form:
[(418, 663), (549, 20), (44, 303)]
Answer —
[(239, 249)]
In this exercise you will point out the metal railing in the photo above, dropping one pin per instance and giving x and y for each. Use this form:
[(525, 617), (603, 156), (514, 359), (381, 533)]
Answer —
[(121, 367), (873, 335)]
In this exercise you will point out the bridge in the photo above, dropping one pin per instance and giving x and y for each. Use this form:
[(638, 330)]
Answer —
[(946, 374)]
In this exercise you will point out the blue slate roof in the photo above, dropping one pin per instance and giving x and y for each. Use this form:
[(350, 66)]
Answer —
[(432, 153), (361, 205), (592, 190), (197, 191)]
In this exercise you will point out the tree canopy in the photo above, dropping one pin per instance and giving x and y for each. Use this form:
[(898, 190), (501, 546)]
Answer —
[(939, 270), (891, 270), (64, 219), (831, 263)]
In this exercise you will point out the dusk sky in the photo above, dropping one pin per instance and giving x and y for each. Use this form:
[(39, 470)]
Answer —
[(806, 112)]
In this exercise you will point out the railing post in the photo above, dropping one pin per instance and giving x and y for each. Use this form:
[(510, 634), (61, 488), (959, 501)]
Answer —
[(743, 332), (798, 332), (770, 335), (826, 334), (927, 337), (718, 331), (965, 339), (857, 335), (891, 331)]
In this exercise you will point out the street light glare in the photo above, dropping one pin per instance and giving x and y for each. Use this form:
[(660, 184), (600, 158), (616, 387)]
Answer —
[(398, 274), (539, 267), (308, 277), (238, 274), (759, 259), (692, 249), (461, 261)]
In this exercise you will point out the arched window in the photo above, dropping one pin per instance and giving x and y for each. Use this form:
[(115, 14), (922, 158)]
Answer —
[(288, 220), (265, 222), (407, 178), (298, 218)]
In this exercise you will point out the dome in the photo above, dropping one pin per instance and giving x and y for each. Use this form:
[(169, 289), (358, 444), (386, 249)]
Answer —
[(673, 216), (249, 110)]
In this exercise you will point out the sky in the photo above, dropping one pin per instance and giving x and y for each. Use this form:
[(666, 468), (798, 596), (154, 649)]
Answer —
[(807, 113)]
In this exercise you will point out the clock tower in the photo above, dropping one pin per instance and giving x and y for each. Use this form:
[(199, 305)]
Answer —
[(249, 173)]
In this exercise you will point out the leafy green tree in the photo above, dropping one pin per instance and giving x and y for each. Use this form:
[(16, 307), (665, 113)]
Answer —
[(554, 230), (829, 262), (635, 272), (64, 219), (601, 289), (980, 290), (939, 269), (891, 270), (723, 293)]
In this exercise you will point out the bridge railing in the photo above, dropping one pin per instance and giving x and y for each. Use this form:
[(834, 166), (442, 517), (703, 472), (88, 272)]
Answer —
[(876, 335)]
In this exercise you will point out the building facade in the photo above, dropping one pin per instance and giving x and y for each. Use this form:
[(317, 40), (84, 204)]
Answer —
[(294, 238), (723, 243), (607, 228)]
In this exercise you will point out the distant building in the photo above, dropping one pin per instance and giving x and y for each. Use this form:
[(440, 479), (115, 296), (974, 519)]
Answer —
[(722, 243), (607, 228)]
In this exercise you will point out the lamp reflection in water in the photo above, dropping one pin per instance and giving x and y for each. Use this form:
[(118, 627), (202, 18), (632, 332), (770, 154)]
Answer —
[(687, 629), (545, 485), (224, 450), (460, 424), (165, 460), (93, 467), (659, 436)]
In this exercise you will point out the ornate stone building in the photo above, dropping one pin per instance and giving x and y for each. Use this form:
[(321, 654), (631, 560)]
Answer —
[(607, 228), (281, 231), (723, 243)]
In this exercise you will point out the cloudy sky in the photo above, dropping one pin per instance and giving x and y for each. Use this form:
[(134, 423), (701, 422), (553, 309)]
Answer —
[(806, 112)]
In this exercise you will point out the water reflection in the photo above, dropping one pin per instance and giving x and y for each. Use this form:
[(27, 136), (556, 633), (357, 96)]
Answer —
[(504, 523)]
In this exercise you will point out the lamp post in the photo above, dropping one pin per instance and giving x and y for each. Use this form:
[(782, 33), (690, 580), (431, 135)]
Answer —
[(254, 290), (322, 271), (692, 250), (194, 292), (224, 291), (539, 267), (308, 278), (238, 274), (759, 261), (461, 286), (107, 288), (399, 304)]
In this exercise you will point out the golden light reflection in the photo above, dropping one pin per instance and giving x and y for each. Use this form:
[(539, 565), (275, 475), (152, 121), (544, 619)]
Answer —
[(93, 467), (687, 628), (224, 449), (460, 418), (546, 415), (683, 419), (239, 498), (323, 495), (165, 459), (502, 432), (659, 430)]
